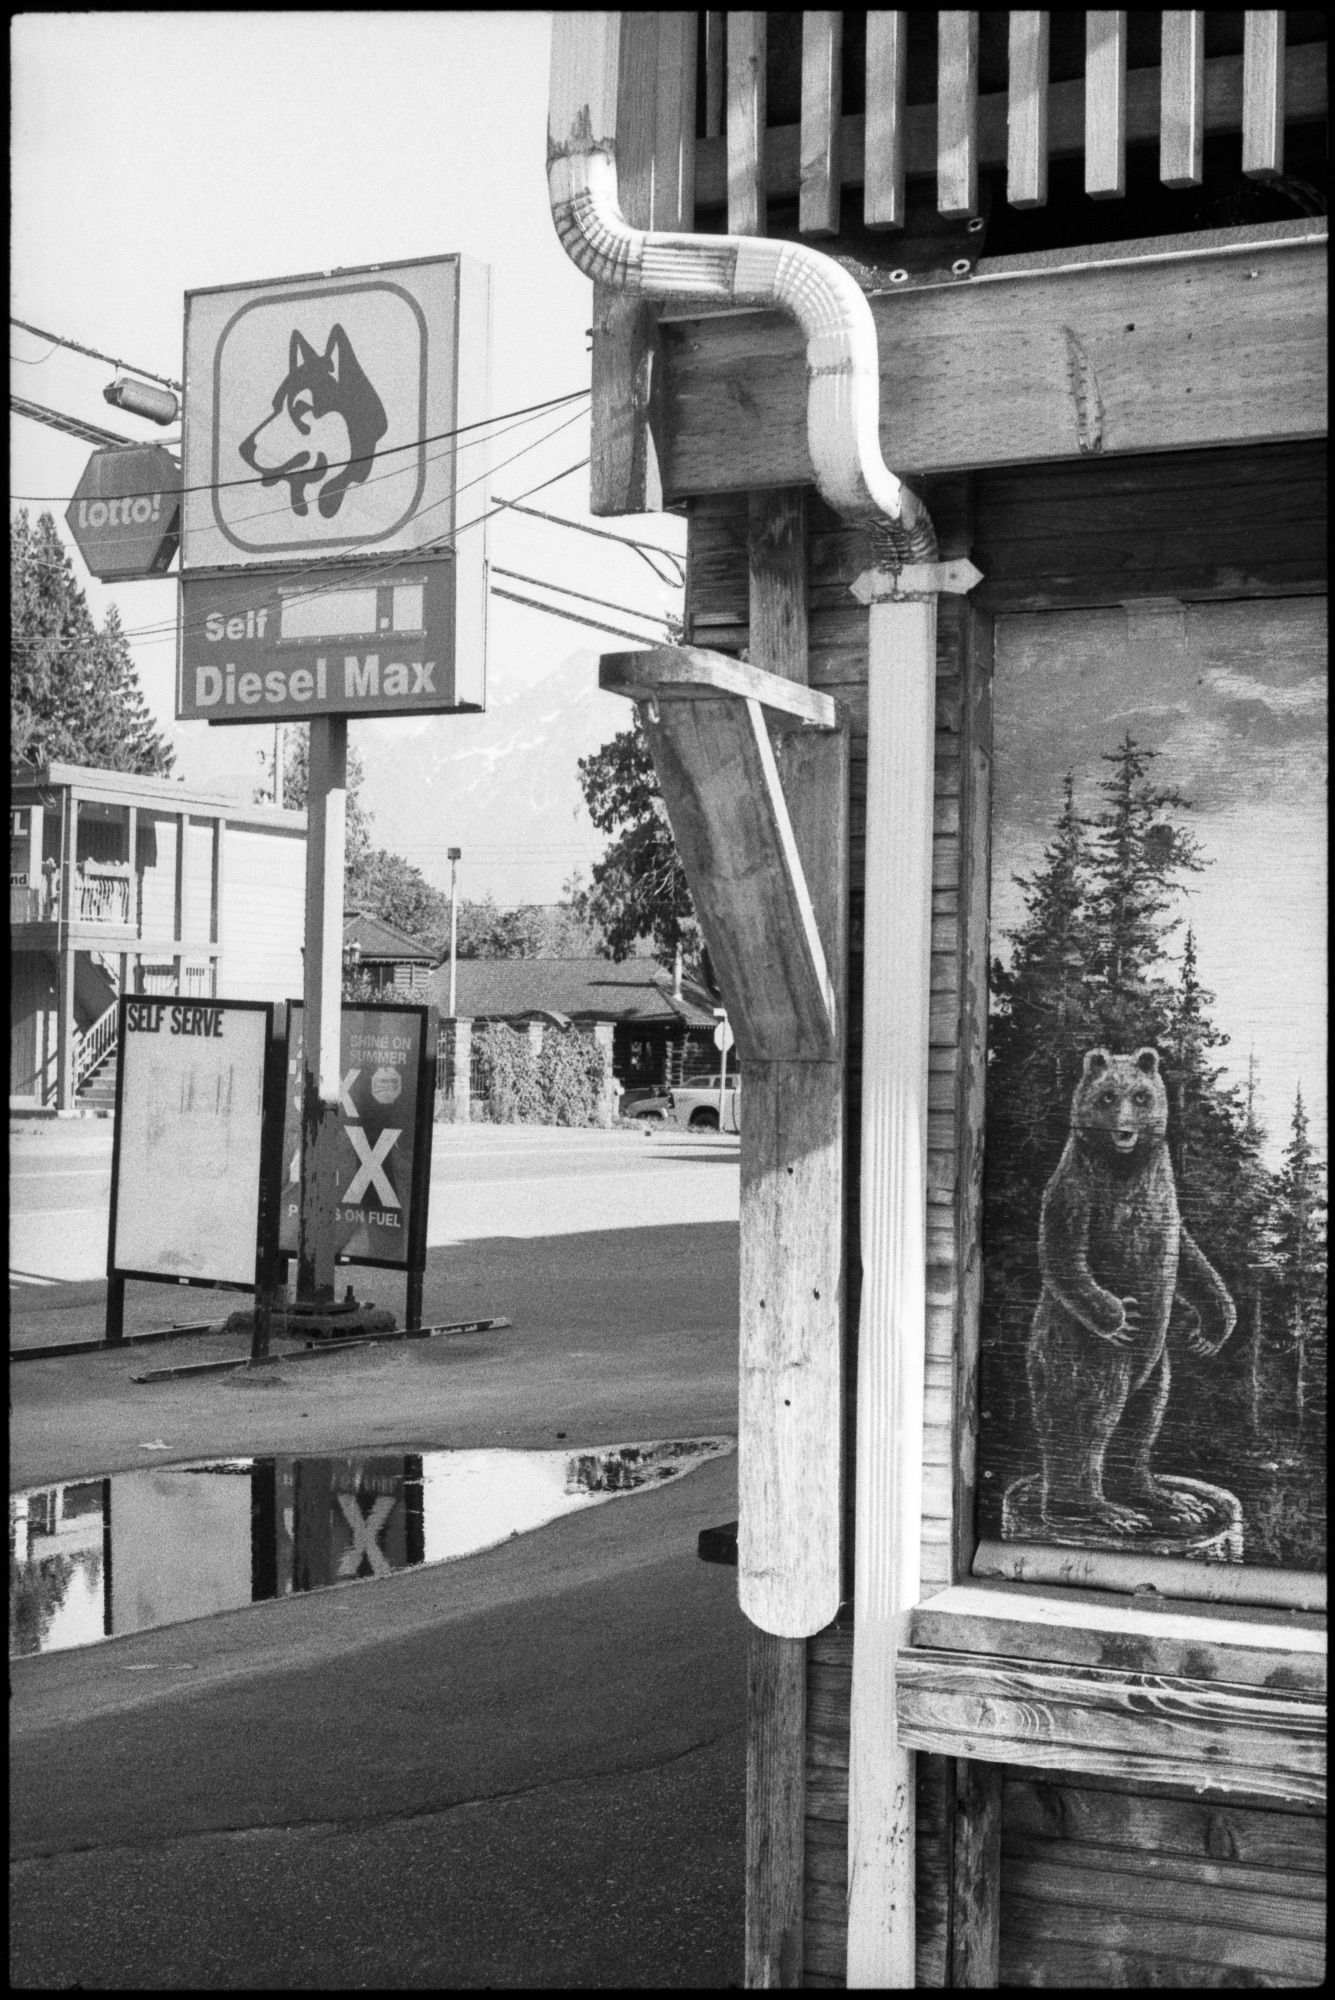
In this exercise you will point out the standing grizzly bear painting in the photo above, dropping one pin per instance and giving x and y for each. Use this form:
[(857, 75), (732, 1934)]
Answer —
[(1114, 1258)]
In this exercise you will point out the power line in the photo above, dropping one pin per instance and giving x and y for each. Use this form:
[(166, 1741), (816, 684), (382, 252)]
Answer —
[(631, 610), (604, 534), (573, 617), (58, 421), (384, 451), (78, 348), (149, 635)]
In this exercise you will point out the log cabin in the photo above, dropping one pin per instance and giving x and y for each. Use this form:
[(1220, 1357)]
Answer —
[(985, 356)]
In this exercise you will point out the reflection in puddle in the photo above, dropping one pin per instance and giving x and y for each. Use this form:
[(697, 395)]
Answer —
[(101, 1557)]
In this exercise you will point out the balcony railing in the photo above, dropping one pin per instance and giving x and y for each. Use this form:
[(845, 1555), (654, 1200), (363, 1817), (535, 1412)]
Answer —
[(742, 160), (102, 899)]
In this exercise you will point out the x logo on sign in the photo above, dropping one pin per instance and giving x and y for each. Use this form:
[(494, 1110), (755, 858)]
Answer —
[(369, 1170), (366, 1530)]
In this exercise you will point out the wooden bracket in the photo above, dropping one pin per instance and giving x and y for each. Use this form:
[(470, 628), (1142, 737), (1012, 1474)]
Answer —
[(708, 719)]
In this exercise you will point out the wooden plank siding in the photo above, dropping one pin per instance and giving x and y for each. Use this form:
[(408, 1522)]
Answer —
[(1110, 1884)]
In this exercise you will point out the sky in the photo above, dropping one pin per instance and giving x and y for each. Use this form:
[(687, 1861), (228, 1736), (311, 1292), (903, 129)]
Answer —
[(1233, 700), (159, 153)]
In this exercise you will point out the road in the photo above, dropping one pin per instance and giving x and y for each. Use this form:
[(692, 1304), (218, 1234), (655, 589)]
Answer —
[(547, 1180), (525, 1768)]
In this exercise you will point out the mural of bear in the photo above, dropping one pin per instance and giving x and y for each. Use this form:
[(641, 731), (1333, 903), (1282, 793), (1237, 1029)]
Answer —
[(1115, 1257)]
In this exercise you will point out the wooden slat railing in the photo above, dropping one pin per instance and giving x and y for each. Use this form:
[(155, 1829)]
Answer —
[(1027, 150), (94, 1043), (887, 88), (957, 113), (1033, 121), (1105, 105), (1182, 100), (822, 107), (1263, 94)]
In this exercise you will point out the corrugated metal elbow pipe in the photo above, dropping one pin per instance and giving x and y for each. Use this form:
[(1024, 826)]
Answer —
[(843, 375)]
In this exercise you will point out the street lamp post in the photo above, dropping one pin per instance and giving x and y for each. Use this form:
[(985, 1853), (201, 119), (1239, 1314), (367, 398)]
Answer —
[(456, 855)]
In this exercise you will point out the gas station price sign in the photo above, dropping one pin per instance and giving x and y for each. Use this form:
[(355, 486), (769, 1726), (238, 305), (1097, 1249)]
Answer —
[(385, 1107)]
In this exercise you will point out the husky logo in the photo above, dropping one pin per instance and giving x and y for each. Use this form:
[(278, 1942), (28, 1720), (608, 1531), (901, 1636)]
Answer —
[(324, 426)]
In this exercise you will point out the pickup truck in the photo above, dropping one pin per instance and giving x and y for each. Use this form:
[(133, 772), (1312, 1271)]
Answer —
[(696, 1103)]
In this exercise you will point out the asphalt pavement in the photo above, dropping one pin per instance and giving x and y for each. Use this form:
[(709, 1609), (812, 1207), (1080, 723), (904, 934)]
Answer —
[(524, 1768)]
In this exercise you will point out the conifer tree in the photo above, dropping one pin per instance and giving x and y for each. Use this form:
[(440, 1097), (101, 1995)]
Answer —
[(74, 692), (1298, 1247)]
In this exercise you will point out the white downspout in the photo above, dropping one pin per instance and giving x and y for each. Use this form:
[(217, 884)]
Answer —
[(843, 412), (843, 377)]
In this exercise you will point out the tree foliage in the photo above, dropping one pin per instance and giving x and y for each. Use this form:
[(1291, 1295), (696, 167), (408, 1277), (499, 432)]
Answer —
[(639, 887), (74, 691)]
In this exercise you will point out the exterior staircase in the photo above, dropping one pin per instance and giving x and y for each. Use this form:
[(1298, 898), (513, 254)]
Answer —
[(97, 1092)]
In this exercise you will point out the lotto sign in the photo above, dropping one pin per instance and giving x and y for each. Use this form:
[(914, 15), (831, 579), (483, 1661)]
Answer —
[(386, 1090), (126, 511)]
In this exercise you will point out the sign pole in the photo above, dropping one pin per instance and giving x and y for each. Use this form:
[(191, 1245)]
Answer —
[(326, 818)]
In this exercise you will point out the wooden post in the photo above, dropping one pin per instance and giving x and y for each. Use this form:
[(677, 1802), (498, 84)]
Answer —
[(790, 1421), (65, 911), (975, 1938), (326, 809), (892, 1329)]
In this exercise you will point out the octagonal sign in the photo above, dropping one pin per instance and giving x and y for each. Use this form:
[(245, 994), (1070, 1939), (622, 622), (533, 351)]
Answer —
[(126, 512)]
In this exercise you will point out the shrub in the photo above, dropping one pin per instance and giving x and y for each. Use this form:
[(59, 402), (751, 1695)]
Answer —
[(561, 1085)]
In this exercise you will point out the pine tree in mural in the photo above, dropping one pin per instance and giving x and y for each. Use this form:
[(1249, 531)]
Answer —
[(1298, 1249)]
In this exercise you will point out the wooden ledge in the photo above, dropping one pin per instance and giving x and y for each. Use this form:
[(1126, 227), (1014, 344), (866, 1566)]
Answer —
[(677, 673), (1074, 1681)]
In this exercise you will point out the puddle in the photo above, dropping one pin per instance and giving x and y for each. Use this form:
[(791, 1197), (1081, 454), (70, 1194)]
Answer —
[(94, 1558)]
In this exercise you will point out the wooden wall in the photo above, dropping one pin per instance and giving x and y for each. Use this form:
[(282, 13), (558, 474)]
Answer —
[(1102, 1885)]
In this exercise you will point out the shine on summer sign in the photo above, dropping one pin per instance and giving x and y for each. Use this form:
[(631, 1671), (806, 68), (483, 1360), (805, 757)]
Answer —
[(329, 565)]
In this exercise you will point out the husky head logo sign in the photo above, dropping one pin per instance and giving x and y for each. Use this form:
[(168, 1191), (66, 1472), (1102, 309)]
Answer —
[(322, 428)]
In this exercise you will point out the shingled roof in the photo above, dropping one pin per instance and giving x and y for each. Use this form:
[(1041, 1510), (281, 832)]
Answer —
[(583, 989), (380, 943)]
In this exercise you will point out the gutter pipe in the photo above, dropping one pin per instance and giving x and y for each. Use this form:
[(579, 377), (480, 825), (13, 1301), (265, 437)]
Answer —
[(843, 376)]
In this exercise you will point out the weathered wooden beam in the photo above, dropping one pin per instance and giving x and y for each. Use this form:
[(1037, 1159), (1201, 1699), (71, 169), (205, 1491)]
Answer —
[(720, 780), (822, 107), (1305, 97), (715, 68), (746, 124), (775, 1803), (1162, 1729), (655, 113), (1263, 94), (1077, 352), (887, 83), (627, 378), (1182, 99), (975, 1889), (957, 112), (1027, 116), (665, 673), (1089, 1628), (790, 1420), (1105, 105)]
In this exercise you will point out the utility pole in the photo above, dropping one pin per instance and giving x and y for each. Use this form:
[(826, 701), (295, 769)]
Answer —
[(456, 856)]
